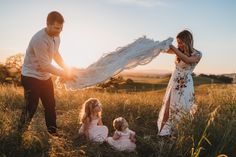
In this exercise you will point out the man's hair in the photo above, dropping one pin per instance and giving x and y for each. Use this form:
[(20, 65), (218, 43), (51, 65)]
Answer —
[(53, 17)]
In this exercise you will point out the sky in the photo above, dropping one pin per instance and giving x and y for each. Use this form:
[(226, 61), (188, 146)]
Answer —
[(95, 27)]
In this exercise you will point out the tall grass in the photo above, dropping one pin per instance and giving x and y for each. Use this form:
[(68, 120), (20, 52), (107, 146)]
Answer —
[(212, 132)]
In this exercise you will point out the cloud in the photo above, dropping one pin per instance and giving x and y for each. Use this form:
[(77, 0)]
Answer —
[(143, 3)]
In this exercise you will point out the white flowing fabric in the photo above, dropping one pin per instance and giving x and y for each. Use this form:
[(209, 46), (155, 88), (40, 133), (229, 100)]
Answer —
[(140, 52)]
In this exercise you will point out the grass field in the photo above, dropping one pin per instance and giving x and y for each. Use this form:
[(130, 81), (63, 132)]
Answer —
[(212, 132)]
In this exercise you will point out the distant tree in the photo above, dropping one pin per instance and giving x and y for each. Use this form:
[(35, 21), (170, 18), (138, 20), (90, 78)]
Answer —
[(220, 78), (112, 82), (3, 73), (129, 81), (203, 75), (225, 79), (119, 79), (13, 66)]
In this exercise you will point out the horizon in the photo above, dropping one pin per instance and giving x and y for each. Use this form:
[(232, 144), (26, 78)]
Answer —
[(93, 28)]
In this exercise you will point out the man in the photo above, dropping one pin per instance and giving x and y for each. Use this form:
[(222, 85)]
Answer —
[(37, 69)]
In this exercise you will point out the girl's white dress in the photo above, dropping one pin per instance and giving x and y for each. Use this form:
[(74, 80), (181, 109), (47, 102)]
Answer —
[(124, 143), (97, 133), (180, 93)]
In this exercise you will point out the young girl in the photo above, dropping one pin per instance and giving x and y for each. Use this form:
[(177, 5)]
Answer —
[(92, 126), (123, 138)]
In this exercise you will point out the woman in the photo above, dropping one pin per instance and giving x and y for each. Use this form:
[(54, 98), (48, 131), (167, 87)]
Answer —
[(179, 97)]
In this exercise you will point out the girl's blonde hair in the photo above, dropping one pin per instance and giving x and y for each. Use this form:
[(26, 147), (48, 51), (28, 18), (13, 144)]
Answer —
[(87, 110), (120, 124), (187, 38)]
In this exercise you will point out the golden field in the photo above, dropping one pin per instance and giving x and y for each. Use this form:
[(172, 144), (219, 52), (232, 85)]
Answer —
[(211, 133)]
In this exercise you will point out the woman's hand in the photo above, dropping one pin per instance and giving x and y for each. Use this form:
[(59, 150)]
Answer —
[(170, 50)]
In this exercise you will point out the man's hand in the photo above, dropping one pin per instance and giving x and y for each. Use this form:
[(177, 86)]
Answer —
[(71, 74), (80, 71)]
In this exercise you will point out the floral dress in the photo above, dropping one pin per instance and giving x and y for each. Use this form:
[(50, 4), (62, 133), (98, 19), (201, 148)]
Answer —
[(179, 97)]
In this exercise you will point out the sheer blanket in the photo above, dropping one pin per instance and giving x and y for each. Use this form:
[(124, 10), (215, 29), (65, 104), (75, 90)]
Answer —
[(140, 52)]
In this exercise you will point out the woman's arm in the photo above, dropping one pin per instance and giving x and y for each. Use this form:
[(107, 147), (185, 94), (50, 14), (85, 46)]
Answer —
[(86, 128), (86, 133), (100, 121), (132, 136), (184, 57), (116, 136), (170, 51)]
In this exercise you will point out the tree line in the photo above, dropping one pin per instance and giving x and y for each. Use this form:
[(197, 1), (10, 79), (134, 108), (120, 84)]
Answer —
[(219, 78)]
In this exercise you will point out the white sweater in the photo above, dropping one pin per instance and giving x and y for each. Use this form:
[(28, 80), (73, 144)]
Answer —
[(39, 54)]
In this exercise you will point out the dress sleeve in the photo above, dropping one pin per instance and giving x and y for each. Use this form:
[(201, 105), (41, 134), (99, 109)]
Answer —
[(198, 54)]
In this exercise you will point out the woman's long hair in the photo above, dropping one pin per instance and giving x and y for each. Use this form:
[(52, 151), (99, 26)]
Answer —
[(87, 111), (187, 38)]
